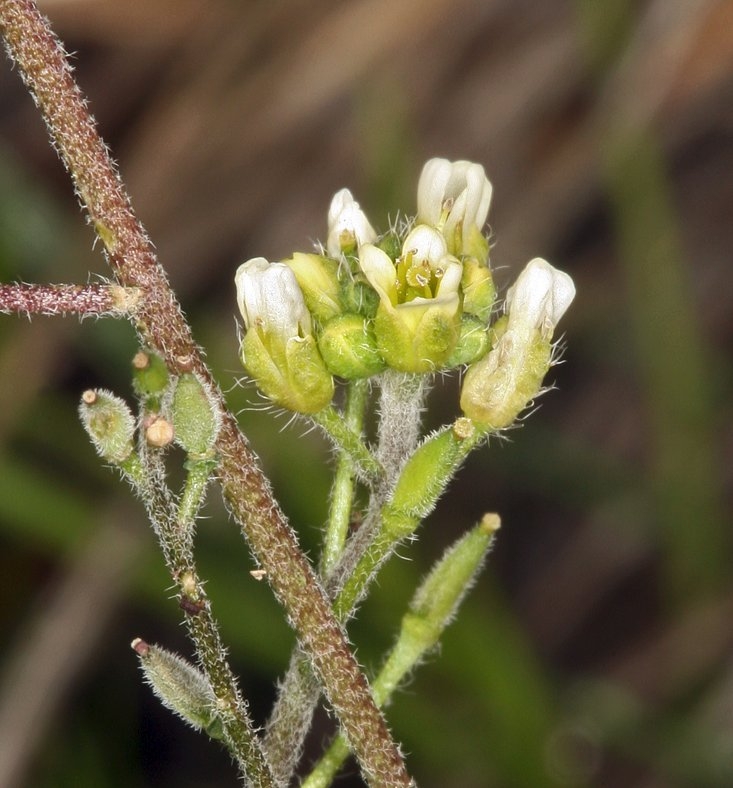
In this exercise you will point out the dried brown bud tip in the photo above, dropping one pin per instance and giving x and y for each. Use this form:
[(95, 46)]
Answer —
[(140, 647)]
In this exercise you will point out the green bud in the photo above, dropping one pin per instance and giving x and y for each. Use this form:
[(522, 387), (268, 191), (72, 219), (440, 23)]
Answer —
[(473, 342), (391, 244), (109, 423), (359, 296), (195, 418), (180, 686), (478, 289), (149, 375), (349, 347), (317, 277)]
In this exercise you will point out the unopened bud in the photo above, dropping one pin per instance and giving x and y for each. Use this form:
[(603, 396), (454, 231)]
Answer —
[(349, 348)]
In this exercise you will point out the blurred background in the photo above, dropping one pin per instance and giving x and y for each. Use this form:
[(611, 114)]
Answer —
[(597, 649)]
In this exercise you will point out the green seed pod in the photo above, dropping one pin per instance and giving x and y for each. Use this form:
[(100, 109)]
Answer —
[(109, 423), (181, 687), (349, 348), (195, 418), (149, 376)]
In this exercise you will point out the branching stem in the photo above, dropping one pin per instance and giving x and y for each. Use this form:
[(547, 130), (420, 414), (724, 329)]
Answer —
[(160, 323)]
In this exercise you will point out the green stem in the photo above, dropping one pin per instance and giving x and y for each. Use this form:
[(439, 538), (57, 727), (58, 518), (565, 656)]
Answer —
[(342, 493), (432, 608), (174, 524), (349, 441), (423, 480)]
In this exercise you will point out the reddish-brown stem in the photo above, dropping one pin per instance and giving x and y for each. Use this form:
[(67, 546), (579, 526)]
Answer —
[(83, 300), (161, 325)]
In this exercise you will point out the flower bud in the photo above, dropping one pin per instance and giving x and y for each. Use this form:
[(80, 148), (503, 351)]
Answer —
[(279, 350), (348, 227), (473, 342), (497, 388), (455, 198), (109, 423), (349, 347)]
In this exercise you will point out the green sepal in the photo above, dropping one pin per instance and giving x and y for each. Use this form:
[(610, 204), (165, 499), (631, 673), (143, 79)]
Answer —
[(473, 342), (479, 291), (292, 374), (317, 277), (418, 336), (499, 387)]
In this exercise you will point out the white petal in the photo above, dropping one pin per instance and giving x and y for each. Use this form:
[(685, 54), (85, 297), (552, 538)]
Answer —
[(425, 243), (539, 297), (345, 217), (380, 271), (268, 295), (431, 189)]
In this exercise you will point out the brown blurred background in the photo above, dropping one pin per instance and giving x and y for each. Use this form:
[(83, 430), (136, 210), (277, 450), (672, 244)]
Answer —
[(598, 648)]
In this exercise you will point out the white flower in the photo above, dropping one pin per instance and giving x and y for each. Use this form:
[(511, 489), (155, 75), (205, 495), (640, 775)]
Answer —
[(278, 348), (455, 198), (348, 226), (539, 298), (270, 299)]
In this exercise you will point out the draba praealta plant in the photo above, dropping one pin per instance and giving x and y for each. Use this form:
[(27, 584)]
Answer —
[(370, 317)]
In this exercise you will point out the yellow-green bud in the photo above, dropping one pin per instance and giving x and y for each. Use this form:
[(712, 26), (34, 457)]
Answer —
[(180, 686), (109, 423), (349, 347), (318, 280), (498, 387), (195, 418), (279, 350)]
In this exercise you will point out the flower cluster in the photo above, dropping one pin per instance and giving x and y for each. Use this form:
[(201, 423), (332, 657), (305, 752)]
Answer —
[(417, 299)]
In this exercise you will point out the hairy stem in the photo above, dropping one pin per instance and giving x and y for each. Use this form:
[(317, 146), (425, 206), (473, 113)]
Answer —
[(174, 525), (83, 300), (160, 323)]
